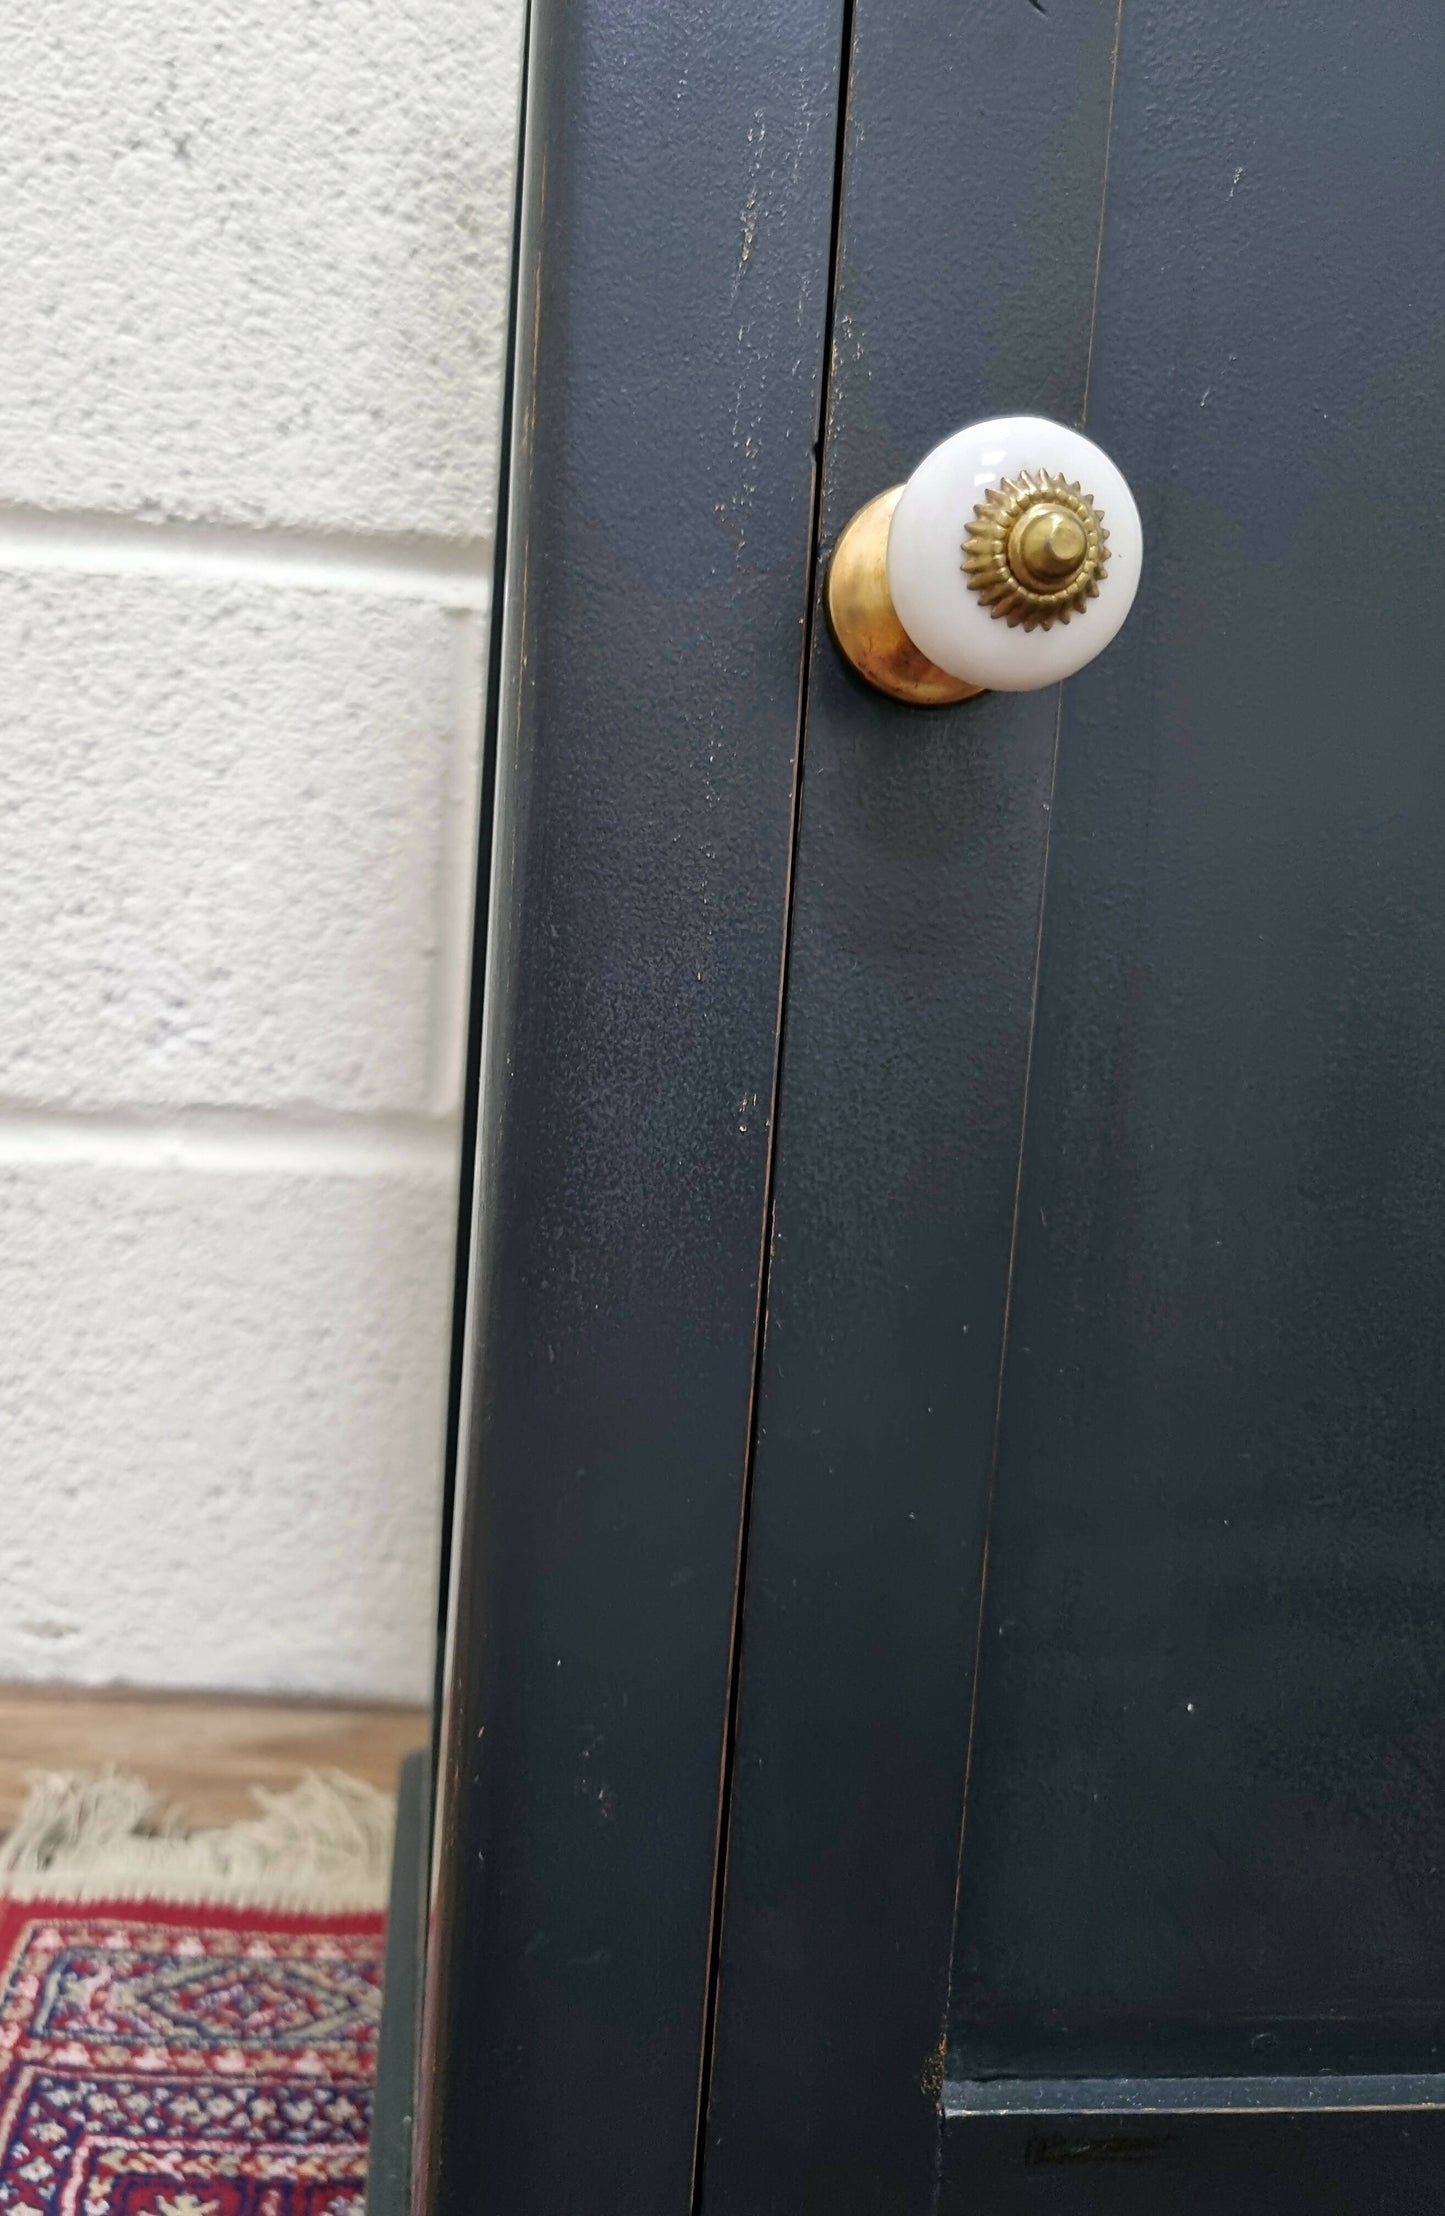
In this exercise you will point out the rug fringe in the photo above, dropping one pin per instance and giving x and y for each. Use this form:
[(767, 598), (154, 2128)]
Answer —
[(323, 1847)]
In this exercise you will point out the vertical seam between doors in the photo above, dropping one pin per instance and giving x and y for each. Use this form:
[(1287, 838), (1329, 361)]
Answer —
[(1103, 209), (811, 620), (1022, 1150)]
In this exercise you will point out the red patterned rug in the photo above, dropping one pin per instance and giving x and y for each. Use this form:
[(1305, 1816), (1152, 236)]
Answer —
[(159, 2059)]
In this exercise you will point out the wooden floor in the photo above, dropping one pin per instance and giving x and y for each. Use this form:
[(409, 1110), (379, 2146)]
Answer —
[(199, 1753)]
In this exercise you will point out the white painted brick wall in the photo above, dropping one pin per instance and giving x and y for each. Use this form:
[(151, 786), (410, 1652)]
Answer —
[(214, 1393), (252, 288), (222, 811), (252, 260)]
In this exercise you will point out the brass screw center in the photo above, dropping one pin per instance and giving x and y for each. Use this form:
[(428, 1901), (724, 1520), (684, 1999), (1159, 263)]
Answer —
[(1046, 546)]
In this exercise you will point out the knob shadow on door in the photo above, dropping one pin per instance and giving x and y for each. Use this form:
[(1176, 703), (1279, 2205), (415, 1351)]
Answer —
[(1008, 560)]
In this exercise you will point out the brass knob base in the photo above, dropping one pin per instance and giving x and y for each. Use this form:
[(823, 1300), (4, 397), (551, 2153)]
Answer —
[(865, 623)]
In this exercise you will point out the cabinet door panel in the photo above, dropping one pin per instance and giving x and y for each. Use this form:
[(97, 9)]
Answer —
[(674, 246), (1103, 1337), (964, 288)]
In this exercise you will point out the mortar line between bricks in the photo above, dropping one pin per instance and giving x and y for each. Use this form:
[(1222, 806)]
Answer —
[(448, 573), (217, 1141)]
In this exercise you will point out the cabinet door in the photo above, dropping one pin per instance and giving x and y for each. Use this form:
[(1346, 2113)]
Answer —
[(1088, 1782), (676, 226)]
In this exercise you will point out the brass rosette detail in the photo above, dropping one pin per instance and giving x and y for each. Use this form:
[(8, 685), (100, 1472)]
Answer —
[(1036, 550)]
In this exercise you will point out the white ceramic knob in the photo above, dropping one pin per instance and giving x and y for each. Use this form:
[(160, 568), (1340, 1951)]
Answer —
[(1012, 558), (958, 553)]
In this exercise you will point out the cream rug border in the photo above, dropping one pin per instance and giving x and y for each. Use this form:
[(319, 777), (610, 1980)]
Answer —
[(321, 1848)]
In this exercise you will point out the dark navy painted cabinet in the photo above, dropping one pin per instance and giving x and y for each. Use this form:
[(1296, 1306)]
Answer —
[(945, 1682)]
